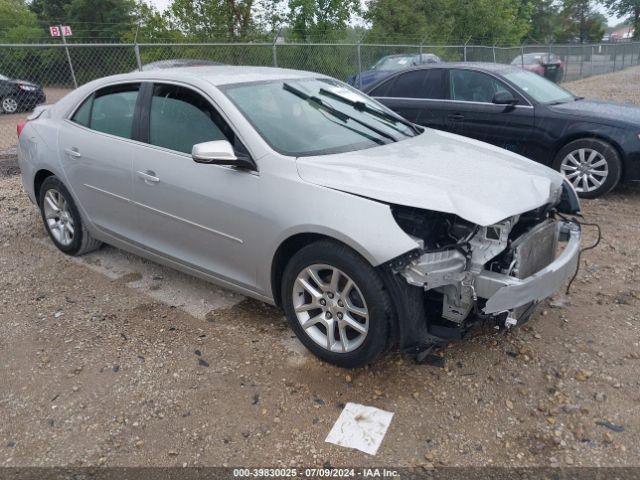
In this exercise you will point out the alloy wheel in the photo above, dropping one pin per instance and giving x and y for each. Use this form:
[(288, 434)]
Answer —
[(585, 168), (58, 217), (9, 105), (330, 308)]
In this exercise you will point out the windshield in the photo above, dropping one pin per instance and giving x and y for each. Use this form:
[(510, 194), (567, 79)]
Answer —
[(316, 116), (539, 88), (394, 63)]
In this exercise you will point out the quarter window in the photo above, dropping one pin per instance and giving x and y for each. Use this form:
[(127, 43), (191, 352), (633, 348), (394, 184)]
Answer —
[(81, 117), (181, 118), (472, 86)]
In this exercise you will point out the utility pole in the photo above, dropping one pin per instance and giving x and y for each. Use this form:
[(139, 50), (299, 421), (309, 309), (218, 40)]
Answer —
[(66, 49)]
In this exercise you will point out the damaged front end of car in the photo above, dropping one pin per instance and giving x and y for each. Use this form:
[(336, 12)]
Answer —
[(464, 274)]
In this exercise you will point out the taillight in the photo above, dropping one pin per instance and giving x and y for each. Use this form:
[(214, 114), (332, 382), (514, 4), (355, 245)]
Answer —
[(20, 127)]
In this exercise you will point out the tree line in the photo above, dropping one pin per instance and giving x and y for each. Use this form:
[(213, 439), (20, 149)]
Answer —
[(486, 22)]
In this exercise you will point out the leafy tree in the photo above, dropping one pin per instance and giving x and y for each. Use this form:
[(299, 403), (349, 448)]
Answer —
[(626, 8), (545, 20), (102, 19), (581, 22), (205, 19), (19, 24), (151, 26), (49, 12), (320, 18), (479, 21)]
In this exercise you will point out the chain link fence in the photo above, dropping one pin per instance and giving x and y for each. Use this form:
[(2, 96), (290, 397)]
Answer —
[(52, 70)]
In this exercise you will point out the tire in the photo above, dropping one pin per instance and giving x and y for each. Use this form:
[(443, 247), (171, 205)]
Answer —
[(73, 243), (351, 348), (595, 151), (9, 105)]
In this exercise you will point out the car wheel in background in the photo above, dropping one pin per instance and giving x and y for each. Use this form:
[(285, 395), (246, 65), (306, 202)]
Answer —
[(593, 166), (336, 304), (9, 105), (62, 219)]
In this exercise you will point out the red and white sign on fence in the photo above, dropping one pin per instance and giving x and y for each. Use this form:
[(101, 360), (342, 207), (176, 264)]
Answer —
[(60, 30)]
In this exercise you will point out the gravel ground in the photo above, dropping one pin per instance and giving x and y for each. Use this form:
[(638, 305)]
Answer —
[(100, 369)]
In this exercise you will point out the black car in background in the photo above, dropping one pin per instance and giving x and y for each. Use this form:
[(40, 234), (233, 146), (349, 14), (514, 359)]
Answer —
[(19, 96), (594, 144)]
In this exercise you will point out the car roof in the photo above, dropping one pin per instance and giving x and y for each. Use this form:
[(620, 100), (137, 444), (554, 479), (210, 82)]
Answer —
[(486, 66), (499, 68), (222, 74)]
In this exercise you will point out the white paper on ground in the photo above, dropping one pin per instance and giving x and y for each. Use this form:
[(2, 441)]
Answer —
[(360, 427)]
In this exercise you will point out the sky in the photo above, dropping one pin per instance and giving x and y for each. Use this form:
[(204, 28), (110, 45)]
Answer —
[(612, 20)]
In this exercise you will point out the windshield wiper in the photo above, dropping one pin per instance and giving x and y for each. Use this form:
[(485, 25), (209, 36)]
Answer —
[(363, 107), (334, 111)]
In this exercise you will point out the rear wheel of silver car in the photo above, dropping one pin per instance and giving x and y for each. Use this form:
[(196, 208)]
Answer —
[(336, 304), (9, 105), (62, 219), (593, 166)]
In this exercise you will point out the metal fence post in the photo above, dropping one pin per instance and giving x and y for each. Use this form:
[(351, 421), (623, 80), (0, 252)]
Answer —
[(493, 49), (522, 54), (615, 51), (465, 48), (274, 48), (66, 49), (359, 60), (136, 50), (422, 40), (581, 58)]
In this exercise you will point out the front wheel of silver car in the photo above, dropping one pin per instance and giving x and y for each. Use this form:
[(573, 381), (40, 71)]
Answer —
[(62, 219), (336, 304), (592, 166)]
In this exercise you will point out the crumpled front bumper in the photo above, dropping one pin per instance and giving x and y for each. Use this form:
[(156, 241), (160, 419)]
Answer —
[(504, 292)]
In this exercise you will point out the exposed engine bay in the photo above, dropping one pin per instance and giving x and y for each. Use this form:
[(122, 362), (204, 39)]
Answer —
[(497, 272)]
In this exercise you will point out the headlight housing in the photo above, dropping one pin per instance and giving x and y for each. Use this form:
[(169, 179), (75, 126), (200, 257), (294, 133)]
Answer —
[(569, 202)]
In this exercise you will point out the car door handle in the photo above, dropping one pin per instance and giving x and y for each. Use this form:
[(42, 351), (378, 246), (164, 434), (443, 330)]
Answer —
[(73, 152), (455, 116), (149, 176)]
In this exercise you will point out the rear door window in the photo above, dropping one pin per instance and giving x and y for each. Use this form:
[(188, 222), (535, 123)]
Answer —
[(425, 84), (113, 109)]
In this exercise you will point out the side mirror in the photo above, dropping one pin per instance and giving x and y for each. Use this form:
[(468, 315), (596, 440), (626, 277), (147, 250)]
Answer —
[(219, 152), (504, 98)]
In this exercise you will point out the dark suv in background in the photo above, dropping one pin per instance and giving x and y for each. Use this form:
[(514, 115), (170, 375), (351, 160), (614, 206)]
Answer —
[(19, 95)]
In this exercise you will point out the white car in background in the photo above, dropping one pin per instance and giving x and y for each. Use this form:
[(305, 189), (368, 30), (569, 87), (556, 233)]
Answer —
[(298, 190)]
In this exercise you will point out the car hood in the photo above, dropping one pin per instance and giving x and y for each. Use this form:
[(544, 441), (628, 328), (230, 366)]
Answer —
[(605, 112), (442, 172)]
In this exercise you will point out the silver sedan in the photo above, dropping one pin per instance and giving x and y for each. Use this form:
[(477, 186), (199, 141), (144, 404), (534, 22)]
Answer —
[(295, 189)]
